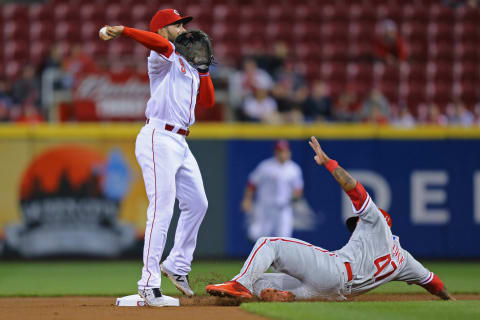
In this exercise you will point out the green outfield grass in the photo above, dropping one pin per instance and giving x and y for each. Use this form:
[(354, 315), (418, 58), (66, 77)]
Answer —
[(424, 310), (112, 278)]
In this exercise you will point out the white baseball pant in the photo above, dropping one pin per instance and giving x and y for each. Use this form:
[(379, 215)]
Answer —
[(169, 170)]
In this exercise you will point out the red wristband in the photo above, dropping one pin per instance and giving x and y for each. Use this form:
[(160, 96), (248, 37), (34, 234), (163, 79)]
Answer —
[(331, 165)]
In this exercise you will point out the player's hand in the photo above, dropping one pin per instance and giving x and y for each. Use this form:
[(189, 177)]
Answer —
[(247, 205), (320, 157), (111, 33)]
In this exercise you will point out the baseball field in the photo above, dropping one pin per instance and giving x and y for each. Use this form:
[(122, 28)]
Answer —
[(87, 290)]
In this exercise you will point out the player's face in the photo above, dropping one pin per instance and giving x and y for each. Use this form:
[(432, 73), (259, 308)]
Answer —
[(174, 30), (283, 155)]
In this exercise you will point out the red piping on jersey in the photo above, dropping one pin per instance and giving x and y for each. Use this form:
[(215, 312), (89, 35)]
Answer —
[(284, 240), (349, 271), (155, 206), (191, 98), (251, 259)]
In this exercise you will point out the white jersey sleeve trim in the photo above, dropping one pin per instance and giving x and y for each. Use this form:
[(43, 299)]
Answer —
[(427, 280), (363, 207)]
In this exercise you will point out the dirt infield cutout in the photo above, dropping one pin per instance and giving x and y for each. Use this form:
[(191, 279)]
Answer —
[(202, 307)]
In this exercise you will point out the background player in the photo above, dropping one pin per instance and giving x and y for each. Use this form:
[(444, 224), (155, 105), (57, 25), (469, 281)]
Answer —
[(373, 256), (277, 181), (168, 166)]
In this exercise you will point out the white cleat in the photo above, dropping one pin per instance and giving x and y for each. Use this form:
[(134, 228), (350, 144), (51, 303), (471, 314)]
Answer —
[(180, 282), (155, 298)]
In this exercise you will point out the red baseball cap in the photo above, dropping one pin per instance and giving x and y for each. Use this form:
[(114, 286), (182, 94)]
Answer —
[(282, 145), (166, 17)]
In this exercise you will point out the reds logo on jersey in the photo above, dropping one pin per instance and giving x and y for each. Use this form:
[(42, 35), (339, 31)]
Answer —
[(183, 66)]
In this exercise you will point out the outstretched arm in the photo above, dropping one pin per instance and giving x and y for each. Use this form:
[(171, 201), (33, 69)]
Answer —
[(150, 40), (436, 287), (350, 185)]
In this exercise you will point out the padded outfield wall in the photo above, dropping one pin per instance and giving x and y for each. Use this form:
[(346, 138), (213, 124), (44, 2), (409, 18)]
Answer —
[(77, 190)]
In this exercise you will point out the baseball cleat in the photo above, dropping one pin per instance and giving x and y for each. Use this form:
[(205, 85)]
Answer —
[(274, 295), (231, 289), (154, 298), (180, 282)]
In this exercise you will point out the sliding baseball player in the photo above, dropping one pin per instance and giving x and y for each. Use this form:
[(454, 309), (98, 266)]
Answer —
[(372, 257)]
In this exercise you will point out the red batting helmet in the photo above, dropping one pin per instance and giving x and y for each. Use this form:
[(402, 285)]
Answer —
[(167, 17)]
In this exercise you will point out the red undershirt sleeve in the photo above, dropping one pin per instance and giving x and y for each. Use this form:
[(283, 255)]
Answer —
[(150, 40), (358, 195), (206, 92)]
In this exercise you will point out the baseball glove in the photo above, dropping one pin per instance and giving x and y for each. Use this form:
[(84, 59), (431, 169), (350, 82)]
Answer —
[(195, 46)]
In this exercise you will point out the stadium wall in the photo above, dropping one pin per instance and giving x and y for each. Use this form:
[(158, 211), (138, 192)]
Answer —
[(79, 186)]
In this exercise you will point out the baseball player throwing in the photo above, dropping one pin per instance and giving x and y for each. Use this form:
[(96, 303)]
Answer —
[(277, 181), (372, 257), (179, 81)]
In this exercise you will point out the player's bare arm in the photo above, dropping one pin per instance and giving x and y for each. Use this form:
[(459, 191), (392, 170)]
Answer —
[(247, 202), (346, 181)]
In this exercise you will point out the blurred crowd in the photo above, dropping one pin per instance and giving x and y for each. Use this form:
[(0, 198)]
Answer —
[(21, 99), (266, 86), (269, 87)]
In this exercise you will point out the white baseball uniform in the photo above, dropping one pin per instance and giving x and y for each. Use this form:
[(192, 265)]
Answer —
[(373, 256), (168, 166), (275, 183)]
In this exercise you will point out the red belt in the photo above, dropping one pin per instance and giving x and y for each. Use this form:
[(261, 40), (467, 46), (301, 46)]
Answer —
[(349, 271), (170, 127)]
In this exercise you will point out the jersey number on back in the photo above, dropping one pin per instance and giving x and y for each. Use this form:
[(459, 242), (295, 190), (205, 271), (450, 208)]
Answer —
[(381, 263)]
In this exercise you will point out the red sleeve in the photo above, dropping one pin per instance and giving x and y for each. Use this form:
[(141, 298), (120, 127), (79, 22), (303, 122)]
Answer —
[(435, 286), (206, 93), (150, 40), (358, 195)]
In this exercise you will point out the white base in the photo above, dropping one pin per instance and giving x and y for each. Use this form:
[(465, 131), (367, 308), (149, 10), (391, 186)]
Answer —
[(135, 300)]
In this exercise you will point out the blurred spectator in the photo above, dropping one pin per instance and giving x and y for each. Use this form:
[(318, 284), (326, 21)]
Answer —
[(272, 63), (244, 82), (30, 114), (401, 117), (375, 108), (431, 114), (347, 107), (261, 107), (6, 102), (79, 62), (389, 45), (54, 61), (459, 115), (318, 104), (26, 89)]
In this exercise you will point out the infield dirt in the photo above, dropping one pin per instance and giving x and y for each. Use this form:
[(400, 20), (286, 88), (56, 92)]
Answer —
[(198, 308)]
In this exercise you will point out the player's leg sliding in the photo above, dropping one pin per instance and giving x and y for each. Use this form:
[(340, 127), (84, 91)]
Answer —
[(260, 259)]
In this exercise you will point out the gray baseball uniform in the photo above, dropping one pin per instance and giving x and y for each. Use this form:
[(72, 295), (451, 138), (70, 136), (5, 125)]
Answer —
[(373, 256)]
